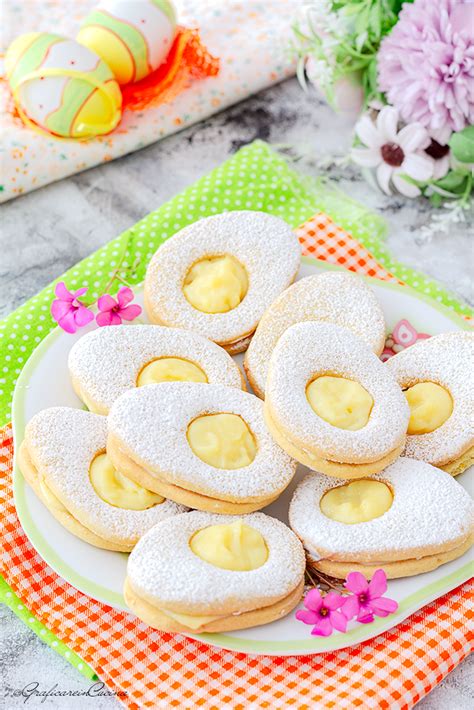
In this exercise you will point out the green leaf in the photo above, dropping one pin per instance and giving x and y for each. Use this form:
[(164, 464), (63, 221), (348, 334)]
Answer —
[(362, 21), (350, 10), (361, 40), (452, 182), (375, 21), (436, 199), (462, 145)]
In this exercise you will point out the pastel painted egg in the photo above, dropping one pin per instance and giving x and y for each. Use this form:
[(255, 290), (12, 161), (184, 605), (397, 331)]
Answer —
[(133, 37), (62, 87)]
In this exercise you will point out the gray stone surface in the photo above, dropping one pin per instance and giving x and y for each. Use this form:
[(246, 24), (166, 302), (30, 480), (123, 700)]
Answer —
[(45, 232)]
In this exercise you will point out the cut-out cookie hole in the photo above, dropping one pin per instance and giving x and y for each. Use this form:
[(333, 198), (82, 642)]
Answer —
[(222, 440), (430, 406), (235, 546), (116, 489), (170, 369), (341, 402), (216, 284), (357, 502)]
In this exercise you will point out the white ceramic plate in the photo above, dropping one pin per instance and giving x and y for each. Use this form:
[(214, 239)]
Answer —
[(44, 382)]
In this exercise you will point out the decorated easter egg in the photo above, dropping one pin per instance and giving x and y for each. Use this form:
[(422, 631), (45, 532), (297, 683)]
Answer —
[(133, 37), (62, 87)]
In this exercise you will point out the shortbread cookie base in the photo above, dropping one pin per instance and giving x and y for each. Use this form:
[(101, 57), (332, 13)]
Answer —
[(90, 404), (460, 464), (253, 383), (195, 500), (393, 570), (66, 519), (152, 616), (333, 469)]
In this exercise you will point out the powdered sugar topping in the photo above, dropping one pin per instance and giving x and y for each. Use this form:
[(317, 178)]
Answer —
[(429, 510), (151, 424), (447, 360), (163, 569), (245, 235), (340, 298), (62, 443), (106, 362), (309, 349)]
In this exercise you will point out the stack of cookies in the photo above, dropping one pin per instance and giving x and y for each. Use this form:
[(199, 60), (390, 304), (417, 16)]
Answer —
[(174, 457)]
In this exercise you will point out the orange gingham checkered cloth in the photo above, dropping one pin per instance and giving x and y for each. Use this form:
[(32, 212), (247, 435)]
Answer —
[(394, 670)]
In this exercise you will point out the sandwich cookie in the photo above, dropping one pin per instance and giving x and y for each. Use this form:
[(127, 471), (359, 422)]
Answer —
[(206, 446), (340, 298), (409, 519), (63, 459), (332, 404), (202, 572), (215, 276), (109, 361), (437, 377)]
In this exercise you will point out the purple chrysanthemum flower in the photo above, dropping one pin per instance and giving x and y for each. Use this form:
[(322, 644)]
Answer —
[(426, 66)]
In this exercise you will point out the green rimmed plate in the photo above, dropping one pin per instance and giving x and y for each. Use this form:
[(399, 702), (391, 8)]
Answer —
[(44, 382)]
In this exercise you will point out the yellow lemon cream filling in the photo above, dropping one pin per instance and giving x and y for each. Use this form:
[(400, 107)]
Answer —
[(118, 490), (222, 440), (216, 284), (357, 501), (191, 622), (341, 402), (53, 501), (234, 546), (170, 369), (430, 406)]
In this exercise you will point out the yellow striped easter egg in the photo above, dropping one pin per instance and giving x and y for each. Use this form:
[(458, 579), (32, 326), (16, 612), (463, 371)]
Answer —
[(133, 37), (61, 87)]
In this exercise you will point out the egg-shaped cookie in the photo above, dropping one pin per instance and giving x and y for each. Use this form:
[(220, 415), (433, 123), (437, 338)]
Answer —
[(335, 297), (203, 572), (216, 276), (332, 404), (107, 362), (63, 459), (409, 519), (206, 446), (437, 376)]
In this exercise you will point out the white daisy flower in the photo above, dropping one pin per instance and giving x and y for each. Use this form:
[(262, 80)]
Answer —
[(392, 152)]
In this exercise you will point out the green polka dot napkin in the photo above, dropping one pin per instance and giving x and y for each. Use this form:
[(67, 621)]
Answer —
[(255, 178)]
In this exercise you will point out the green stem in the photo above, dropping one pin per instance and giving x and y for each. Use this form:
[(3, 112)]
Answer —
[(468, 190)]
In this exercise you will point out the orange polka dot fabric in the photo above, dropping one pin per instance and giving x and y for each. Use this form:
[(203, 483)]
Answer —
[(149, 669)]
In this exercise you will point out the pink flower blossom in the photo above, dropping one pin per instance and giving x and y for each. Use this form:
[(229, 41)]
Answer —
[(367, 600), (426, 66), (321, 612), (68, 312), (112, 311)]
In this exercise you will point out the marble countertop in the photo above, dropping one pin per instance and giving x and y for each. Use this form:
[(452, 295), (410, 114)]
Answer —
[(45, 232)]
